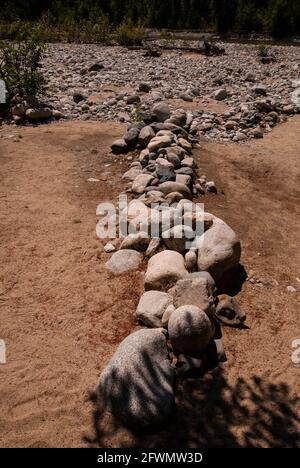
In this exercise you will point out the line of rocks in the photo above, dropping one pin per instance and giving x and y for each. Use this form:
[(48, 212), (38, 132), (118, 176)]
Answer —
[(180, 306)]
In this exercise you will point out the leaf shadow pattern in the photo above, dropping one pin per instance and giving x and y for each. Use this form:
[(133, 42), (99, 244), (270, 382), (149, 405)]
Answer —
[(211, 413)]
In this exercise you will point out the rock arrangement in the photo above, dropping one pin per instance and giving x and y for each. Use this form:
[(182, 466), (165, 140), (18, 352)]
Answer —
[(247, 97), (188, 255), (31, 109)]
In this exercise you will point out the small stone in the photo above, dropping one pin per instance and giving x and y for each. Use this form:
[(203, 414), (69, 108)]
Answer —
[(119, 146), (139, 241), (291, 289), (141, 182), (161, 111), (144, 88), (228, 311), (109, 247), (133, 99), (211, 187), (191, 261), (221, 94)]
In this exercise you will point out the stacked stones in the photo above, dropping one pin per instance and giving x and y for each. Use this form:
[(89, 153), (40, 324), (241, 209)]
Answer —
[(29, 108), (188, 257)]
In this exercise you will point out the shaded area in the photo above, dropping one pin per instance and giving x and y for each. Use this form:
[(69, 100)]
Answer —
[(211, 413)]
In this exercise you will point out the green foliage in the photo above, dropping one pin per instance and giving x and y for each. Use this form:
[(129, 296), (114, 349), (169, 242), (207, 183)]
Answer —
[(88, 20), (263, 50), (127, 34), (19, 62)]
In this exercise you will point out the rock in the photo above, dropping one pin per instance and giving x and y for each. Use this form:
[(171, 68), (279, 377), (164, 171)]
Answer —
[(119, 146), (18, 110), (159, 142), (186, 145), (133, 99), (198, 221), (109, 247), (191, 261), (230, 125), (132, 173), (250, 77), (146, 135), (211, 187), (57, 114), (188, 162), (131, 136), (144, 157), (153, 247), (139, 241), (185, 171), (221, 94), (96, 67), (219, 249), (151, 308), (260, 89), (178, 238), (241, 136), (136, 386), (141, 182), (258, 133), (78, 97), (167, 314), (194, 290), (209, 279), (183, 179), (164, 270), (144, 88), (161, 111), (190, 330), (38, 114), (169, 187), (124, 261), (173, 197), (135, 218), (186, 97), (228, 311)]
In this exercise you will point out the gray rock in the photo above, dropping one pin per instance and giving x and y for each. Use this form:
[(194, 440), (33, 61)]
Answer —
[(151, 308), (119, 146), (221, 94), (141, 182), (146, 135), (219, 249), (136, 386), (131, 136), (132, 173), (260, 89), (139, 241), (190, 329), (229, 312), (124, 261), (196, 291), (153, 247), (164, 270), (178, 238), (169, 187), (191, 261), (133, 99), (161, 111), (144, 87)]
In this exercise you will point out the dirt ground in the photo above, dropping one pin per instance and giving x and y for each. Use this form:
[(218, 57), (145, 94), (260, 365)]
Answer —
[(62, 315)]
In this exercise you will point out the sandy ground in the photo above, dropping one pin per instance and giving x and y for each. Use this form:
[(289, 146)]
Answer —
[(62, 315)]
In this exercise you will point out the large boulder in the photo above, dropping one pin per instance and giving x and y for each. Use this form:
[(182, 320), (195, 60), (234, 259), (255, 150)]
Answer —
[(124, 261), (136, 386), (164, 270), (195, 291), (152, 307), (219, 249), (190, 329)]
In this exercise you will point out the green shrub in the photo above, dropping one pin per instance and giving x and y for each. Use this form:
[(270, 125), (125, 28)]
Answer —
[(263, 50), (19, 64), (127, 34)]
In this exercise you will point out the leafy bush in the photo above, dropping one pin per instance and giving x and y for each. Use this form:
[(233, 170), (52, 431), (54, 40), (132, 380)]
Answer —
[(127, 34), (263, 50), (19, 64)]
